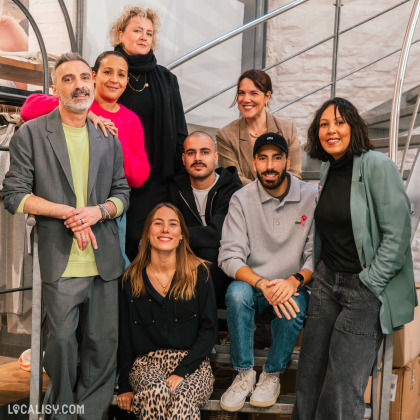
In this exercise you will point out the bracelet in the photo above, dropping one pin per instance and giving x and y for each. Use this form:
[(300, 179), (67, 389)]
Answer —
[(104, 212), (256, 283)]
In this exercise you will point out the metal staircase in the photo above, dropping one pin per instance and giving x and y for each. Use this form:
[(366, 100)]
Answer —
[(380, 120)]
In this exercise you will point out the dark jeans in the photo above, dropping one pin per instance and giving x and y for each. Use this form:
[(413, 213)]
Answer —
[(340, 341)]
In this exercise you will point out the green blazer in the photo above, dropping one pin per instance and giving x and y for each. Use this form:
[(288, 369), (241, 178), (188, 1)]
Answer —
[(380, 215)]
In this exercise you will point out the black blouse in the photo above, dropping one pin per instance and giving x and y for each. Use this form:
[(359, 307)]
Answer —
[(148, 323)]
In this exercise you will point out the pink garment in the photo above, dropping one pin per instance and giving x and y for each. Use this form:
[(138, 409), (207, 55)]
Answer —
[(130, 133)]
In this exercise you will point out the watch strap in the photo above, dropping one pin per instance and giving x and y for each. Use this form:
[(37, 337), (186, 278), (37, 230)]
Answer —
[(301, 279)]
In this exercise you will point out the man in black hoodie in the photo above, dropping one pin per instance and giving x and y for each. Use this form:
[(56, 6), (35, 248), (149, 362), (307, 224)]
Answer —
[(202, 195)]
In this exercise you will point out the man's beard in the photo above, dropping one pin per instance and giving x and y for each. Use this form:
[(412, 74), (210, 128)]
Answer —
[(76, 107), (274, 184)]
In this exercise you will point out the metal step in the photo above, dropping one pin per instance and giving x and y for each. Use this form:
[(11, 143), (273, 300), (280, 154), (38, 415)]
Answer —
[(382, 144), (382, 129), (222, 356), (378, 118), (284, 405)]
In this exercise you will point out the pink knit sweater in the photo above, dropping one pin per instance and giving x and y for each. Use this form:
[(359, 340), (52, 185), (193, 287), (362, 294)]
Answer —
[(130, 133)]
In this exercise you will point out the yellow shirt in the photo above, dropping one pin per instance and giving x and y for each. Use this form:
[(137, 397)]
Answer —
[(81, 263)]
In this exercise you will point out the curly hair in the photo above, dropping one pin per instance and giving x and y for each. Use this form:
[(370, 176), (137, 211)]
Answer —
[(359, 140), (129, 12), (260, 78)]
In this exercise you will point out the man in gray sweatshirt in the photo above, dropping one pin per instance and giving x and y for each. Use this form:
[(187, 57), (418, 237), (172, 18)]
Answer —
[(266, 247)]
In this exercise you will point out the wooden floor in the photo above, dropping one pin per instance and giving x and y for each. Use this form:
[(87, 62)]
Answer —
[(14, 383)]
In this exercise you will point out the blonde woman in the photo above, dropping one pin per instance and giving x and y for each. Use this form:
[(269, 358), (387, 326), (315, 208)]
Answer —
[(153, 94), (167, 324)]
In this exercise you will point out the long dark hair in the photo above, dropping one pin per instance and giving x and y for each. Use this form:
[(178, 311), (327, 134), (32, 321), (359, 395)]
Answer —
[(187, 262), (359, 141)]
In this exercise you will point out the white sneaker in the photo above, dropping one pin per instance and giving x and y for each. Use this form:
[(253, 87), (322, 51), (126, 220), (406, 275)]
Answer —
[(267, 390), (234, 397)]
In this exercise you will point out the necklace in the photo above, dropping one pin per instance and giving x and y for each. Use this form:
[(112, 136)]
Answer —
[(137, 79), (164, 286), (256, 135)]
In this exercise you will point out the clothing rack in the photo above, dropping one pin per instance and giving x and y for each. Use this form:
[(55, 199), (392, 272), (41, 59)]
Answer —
[(13, 96)]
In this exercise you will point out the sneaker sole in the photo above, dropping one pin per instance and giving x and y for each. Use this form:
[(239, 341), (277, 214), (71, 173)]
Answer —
[(232, 408), (268, 403)]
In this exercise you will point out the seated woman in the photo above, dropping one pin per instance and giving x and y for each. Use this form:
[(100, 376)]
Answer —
[(236, 141), (110, 74), (167, 324), (363, 284)]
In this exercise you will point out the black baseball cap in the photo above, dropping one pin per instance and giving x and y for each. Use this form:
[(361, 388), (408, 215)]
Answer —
[(271, 138)]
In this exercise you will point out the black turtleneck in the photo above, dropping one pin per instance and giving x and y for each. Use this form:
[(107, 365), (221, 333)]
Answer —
[(333, 219)]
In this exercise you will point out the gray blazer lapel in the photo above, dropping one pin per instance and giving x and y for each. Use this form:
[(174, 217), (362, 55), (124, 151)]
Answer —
[(358, 205), (95, 153), (56, 137), (246, 145)]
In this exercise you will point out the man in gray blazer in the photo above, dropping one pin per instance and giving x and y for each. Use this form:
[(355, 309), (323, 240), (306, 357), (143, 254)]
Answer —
[(71, 177)]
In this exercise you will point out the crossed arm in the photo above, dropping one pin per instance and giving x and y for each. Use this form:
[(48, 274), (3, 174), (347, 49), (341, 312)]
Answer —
[(79, 220), (278, 292)]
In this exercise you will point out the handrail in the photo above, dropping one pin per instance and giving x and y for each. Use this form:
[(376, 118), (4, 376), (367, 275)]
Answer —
[(399, 81), (68, 25), (16, 289), (340, 78), (410, 132), (335, 47), (233, 33), (298, 53)]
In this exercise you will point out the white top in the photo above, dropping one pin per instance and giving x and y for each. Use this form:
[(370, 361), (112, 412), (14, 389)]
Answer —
[(201, 199)]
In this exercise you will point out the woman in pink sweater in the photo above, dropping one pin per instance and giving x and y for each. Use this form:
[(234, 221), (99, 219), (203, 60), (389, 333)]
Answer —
[(110, 74)]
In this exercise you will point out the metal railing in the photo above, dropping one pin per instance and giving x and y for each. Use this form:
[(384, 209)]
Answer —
[(235, 32), (399, 81), (273, 14)]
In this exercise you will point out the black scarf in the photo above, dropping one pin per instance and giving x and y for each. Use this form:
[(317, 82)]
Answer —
[(164, 138)]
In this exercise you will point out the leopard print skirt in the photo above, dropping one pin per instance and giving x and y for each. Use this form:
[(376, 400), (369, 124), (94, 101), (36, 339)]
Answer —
[(153, 398)]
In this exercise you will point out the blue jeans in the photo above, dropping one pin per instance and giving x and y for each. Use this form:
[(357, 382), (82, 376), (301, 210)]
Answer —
[(340, 342), (122, 228), (243, 303)]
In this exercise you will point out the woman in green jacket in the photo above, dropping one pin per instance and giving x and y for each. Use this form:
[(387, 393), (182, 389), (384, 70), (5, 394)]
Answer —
[(363, 285)]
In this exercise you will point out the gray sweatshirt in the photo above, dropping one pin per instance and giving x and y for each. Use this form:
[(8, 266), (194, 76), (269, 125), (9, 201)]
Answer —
[(267, 235)]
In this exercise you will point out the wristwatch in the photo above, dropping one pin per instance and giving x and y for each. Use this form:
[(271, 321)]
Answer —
[(301, 279)]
